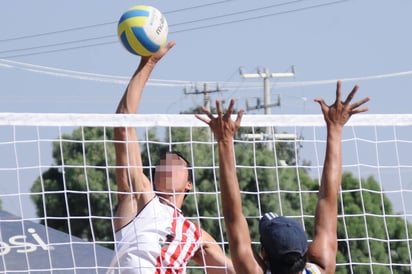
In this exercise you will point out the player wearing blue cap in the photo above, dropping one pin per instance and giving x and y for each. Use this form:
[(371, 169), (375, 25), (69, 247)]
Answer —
[(284, 243)]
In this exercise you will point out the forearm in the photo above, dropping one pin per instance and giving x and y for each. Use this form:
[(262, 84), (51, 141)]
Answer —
[(230, 192), (236, 224), (212, 256), (323, 249), (332, 168), (131, 99), (128, 159)]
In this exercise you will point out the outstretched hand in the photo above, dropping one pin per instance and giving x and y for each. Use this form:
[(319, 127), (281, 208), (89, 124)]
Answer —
[(222, 126), (340, 111), (159, 54)]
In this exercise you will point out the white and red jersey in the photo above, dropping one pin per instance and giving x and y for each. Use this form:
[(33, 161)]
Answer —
[(159, 240)]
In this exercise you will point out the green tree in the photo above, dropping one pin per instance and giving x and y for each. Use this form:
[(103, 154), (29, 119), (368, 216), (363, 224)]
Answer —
[(374, 231), (70, 192), (72, 196)]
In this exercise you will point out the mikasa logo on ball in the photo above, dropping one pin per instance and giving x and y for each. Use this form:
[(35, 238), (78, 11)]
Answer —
[(157, 18), (161, 26)]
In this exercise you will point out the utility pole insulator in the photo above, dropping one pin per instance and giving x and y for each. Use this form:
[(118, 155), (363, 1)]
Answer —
[(267, 104), (205, 92), (265, 75)]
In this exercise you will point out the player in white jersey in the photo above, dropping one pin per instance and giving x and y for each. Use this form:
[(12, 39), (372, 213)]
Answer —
[(284, 244), (159, 240), (152, 236)]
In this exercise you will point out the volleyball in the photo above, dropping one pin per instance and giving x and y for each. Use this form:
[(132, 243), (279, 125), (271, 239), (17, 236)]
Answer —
[(142, 30)]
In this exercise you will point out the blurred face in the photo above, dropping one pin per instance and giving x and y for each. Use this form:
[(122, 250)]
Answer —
[(172, 175)]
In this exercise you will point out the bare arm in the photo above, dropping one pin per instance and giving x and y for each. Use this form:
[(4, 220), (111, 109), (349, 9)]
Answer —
[(323, 249), (129, 174), (237, 228), (212, 257)]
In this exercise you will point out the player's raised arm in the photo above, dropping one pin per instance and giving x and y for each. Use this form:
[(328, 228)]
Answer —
[(129, 174), (224, 129), (323, 249), (212, 257)]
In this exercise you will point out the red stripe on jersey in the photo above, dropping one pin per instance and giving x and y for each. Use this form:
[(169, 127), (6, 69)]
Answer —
[(162, 258), (175, 255), (176, 265), (196, 238)]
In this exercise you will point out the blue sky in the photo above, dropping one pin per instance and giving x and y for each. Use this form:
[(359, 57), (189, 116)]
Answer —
[(63, 56), (324, 40)]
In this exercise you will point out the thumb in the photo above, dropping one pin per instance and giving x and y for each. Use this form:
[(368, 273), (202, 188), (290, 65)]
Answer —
[(323, 105)]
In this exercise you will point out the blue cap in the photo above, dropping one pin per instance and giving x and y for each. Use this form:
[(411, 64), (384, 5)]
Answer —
[(281, 236)]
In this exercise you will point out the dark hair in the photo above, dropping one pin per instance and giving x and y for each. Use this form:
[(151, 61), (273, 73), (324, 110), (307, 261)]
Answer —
[(290, 263), (180, 155)]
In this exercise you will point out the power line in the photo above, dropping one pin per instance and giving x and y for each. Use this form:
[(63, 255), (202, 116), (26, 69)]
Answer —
[(8, 64), (55, 32), (60, 50), (261, 16), (177, 31), (239, 12), (100, 24), (198, 6), (168, 12), (58, 44)]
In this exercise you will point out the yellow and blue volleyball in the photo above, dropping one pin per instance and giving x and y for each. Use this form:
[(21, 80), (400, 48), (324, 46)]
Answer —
[(142, 30)]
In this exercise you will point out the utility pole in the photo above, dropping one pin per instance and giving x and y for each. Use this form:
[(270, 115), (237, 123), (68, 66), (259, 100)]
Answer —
[(267, 104), (265, 75), (205, 92)]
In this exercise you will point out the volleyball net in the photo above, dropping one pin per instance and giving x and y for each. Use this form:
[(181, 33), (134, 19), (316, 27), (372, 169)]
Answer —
[(58, 192)]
